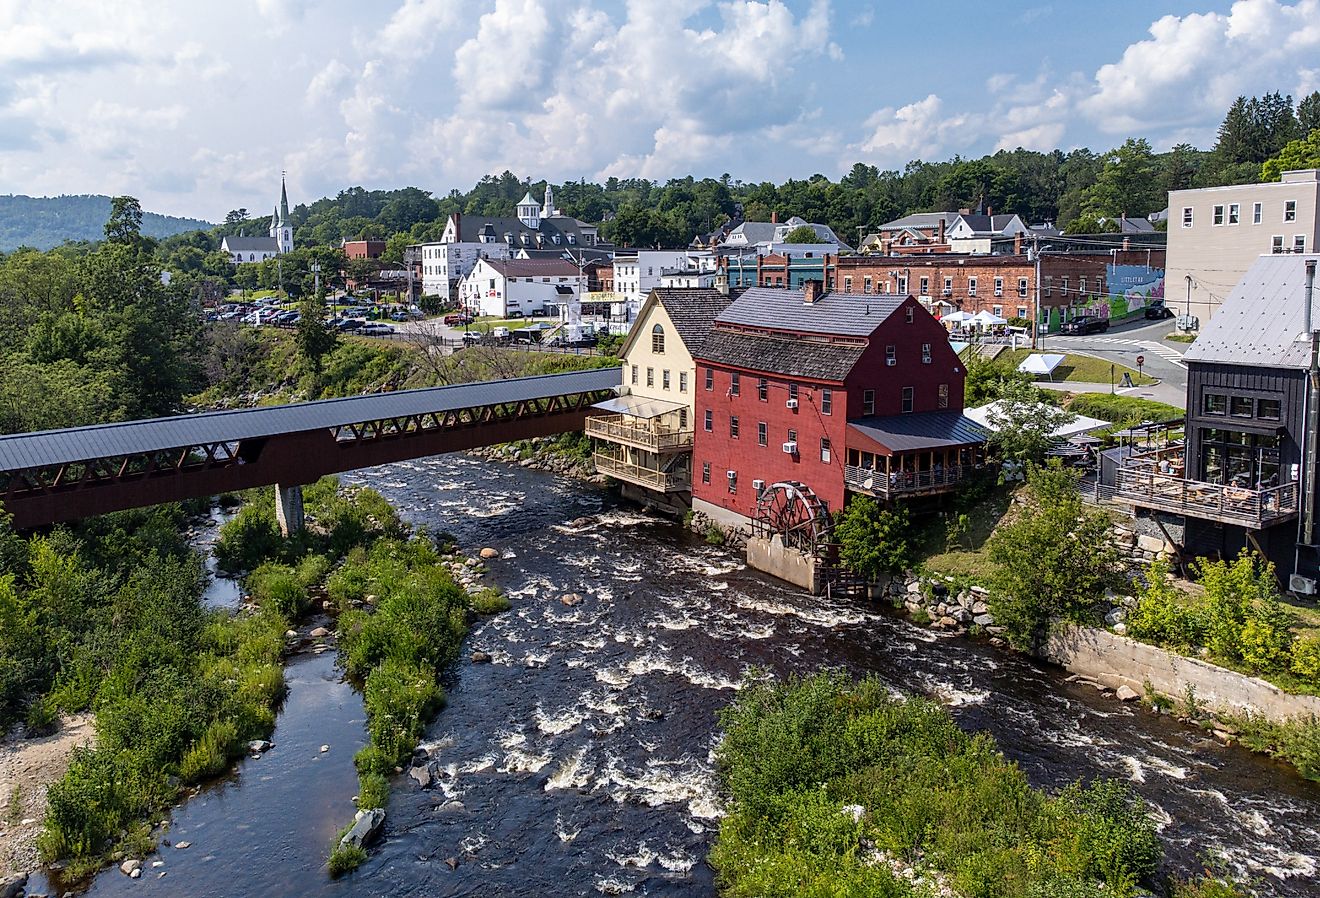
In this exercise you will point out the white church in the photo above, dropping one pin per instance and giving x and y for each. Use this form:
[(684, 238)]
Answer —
[(258, 249)]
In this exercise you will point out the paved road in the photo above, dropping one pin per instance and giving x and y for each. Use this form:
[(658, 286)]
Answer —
[(1123, 343)]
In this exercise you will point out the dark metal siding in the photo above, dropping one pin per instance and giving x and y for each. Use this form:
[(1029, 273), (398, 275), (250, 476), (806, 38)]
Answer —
[(1287, 385)]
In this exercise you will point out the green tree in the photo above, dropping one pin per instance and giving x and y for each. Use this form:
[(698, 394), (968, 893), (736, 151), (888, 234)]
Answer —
[(1302, 153), (874, 540), (1024, 422), (1054, 560), (803, 234), (314, 337), (125, 223), (1128, 184), (1308, 112)]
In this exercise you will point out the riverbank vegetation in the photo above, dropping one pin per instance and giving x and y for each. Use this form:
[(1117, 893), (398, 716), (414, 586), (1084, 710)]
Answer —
[(838, 787), (1235, 618), (107, 617)]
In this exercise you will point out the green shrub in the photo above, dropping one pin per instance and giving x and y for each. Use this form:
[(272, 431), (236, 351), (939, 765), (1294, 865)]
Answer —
[(100, 794), (715, 535), (211, 754), (1296, 741), (1113, 837), (248, 538), (400, 697), (312, 570), (373, 791), (1306, 658), (371, 760), (795, 754), (345, 859), (490, 601), (1162, 616), (280, 587)]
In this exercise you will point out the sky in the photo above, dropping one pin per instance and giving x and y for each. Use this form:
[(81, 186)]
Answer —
[(197, 108)]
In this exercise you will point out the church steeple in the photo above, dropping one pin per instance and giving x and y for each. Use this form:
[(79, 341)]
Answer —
[(549, 210), (284, 202)]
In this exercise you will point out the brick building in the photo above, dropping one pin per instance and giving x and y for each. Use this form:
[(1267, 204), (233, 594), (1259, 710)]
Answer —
[(1003, 285), (364, 249), (831, 391), (782, 269)]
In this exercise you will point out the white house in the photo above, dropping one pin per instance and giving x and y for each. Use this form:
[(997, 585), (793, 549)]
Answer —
[(764, 236), (636, 274), (510, 288), (258, 249), (445, 264), (538, 226)]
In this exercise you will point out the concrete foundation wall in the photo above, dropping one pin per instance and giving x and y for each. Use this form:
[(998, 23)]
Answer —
[(790, 565), (722, 516), (668, 503), (1116, 660)]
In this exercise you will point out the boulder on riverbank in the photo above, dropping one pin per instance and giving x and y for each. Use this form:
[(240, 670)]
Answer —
[(489, 552), (13, 886), (366, 827)]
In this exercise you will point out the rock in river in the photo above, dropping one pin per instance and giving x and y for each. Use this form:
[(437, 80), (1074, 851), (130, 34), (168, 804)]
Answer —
[(319, 632), (12, 886), (131, 866), (570, 599), (365, 828), (1126, 693), (480, 658), (422, 775), (488, 552)]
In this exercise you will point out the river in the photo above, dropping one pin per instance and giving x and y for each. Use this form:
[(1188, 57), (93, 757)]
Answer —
[(579, 762)]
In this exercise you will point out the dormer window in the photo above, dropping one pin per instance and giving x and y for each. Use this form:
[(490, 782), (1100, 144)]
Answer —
[(526, 240), (556, 239), (572, 238)]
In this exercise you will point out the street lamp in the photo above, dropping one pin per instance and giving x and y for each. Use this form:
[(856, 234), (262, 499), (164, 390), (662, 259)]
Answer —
[(1188, 278)]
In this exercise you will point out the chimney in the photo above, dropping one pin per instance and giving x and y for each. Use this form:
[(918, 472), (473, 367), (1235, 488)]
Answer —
[(810, 291), (774, 218), (722, 282), (1017, 244), (458, 227), (1127, 243), (940, 238), (990, 211)]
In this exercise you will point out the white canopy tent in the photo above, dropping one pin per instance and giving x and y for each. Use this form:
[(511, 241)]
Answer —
[(1040, 364), (985, 318), (958, 317), (1079, 425)]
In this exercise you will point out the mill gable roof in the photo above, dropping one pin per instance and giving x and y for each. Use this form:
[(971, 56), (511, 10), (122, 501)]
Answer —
[(836, 314), (521, 268), (693, 311)]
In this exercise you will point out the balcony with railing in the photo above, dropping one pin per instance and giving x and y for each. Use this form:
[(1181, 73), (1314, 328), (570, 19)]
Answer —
[(1156, 480), (905, 483), (652, 477), (640, 433)]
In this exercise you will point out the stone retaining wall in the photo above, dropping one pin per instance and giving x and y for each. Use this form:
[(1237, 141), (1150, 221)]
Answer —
[(1115, 661)]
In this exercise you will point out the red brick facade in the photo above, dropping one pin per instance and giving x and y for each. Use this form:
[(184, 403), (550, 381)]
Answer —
[(1004, 285), (822, 411), (364, 249)]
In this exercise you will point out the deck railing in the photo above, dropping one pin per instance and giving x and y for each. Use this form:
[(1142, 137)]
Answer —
[(1207, 501), (651, 478), (878, 483), (640, 432)]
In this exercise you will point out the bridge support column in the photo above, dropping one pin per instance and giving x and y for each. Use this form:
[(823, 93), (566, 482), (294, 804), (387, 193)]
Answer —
[(289, 508)]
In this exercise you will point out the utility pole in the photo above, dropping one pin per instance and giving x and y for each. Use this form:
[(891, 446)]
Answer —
[(1035, 324)]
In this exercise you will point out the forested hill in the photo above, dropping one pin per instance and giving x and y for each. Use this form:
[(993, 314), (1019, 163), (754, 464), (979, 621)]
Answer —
[(47, 221)]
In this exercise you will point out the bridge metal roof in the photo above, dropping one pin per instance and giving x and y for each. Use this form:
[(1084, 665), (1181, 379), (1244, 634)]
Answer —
[(55, 447)]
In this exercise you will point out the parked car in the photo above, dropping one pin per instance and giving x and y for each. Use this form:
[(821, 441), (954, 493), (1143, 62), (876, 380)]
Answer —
[(471, 337), (1158, 312), (499, 333), (349, 324), (1086, 324), (376, 329), (457, 318)]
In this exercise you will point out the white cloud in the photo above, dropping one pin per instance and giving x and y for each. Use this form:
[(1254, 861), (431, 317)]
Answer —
[(1192, 67)]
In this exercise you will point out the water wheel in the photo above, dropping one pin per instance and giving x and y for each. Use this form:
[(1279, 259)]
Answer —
[(794, 513)]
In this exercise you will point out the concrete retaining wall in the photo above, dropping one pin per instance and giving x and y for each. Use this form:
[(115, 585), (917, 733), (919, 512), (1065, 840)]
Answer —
[(769, 555), (1116, 660)]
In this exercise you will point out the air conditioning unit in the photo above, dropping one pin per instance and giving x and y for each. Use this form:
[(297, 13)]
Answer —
[(758, 485), (790, 448), (792, 403), (732, 475), (1303, 586), (925, 359), (891, 361)]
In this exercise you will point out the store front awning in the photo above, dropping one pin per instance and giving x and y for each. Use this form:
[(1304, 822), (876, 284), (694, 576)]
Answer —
[(639, 406), (894, 434)]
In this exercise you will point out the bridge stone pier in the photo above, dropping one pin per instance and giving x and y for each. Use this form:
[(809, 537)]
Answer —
[(66, 475), (289, 508)]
